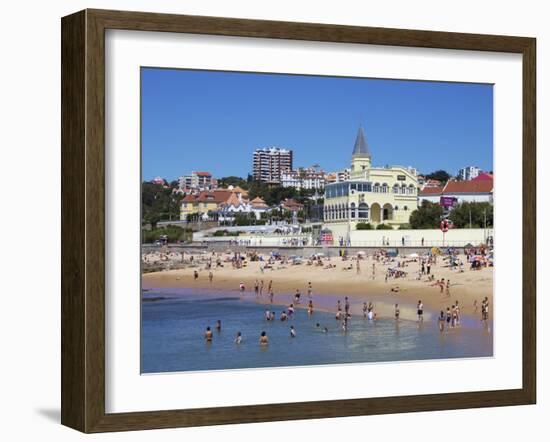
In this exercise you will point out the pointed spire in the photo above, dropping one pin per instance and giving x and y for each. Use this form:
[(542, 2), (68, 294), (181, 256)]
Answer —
[(361, 148)]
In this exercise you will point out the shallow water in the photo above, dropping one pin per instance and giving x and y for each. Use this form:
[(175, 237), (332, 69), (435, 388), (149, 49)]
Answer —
[(173, 324)]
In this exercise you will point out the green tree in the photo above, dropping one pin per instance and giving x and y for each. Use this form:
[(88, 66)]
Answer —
[(158, 204), (233, 181), (364, 226), (472, 214), (427, 216), (440, 175)]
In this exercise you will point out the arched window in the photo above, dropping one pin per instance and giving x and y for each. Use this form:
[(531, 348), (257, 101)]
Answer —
[(385, 188), (363, 211), (403, 189), (395, 188), (411, 189), (405, 208), (376, 187), (396, 208), (352, 210)]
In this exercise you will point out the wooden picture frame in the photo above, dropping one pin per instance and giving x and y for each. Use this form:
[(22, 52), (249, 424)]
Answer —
[(83, 220)]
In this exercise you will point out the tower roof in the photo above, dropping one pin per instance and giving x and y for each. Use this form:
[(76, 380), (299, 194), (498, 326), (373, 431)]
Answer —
[(361, 148)]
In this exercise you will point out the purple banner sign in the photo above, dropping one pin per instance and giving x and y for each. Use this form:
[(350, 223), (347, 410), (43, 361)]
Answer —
[(447, 201)]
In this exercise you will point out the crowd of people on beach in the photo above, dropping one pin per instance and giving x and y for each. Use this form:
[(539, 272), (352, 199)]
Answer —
[(394, 268)]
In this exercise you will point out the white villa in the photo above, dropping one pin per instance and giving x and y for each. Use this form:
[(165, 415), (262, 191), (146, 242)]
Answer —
[(372, 194)]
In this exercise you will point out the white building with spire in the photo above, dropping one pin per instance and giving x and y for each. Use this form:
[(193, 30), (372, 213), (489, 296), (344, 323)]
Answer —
[(375, 195)]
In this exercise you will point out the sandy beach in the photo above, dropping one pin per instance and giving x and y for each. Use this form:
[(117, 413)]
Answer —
[(331, 284)]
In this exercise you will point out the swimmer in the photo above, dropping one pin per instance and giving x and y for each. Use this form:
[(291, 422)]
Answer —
[(208, 335), (238, 338), (292, 331), (264, 340)]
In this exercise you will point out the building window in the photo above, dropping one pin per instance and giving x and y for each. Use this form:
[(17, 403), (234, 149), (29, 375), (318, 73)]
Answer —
[(385, 188), (376, 187), (405, 208), (395, 188), (363, 211), (352, 214)]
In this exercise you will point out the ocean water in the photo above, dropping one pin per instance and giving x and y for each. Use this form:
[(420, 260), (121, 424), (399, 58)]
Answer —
[(173, 325)]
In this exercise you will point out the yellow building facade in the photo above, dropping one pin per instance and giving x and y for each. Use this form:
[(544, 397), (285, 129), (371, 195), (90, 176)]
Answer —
[(376, 195)]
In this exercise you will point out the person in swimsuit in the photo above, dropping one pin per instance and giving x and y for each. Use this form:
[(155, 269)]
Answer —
[(219, 325), (396, 312), (264, 340), (256, 287), (449, 317), (441, 321), (292, 331), (267, 315), (261, 287), (310, 308), (208, 335), (196, 275), (271, 295), (453, 316), (238, 338), (297, 296), (346, 307), (210, 277), (283, 316), (309, 289), (290, 310), (420, 311), (365, 308)]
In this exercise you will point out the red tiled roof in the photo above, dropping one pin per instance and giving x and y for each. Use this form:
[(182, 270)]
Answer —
[(481, 186), (483, 176), (203, 174), (291, 204), (217, 196), (258, 203)]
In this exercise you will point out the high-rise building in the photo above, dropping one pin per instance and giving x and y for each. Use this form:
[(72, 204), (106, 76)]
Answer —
[(468, 173), (270, 163)]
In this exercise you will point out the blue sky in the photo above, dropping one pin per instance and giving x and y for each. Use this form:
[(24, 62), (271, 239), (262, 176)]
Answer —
[(213, 121)]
